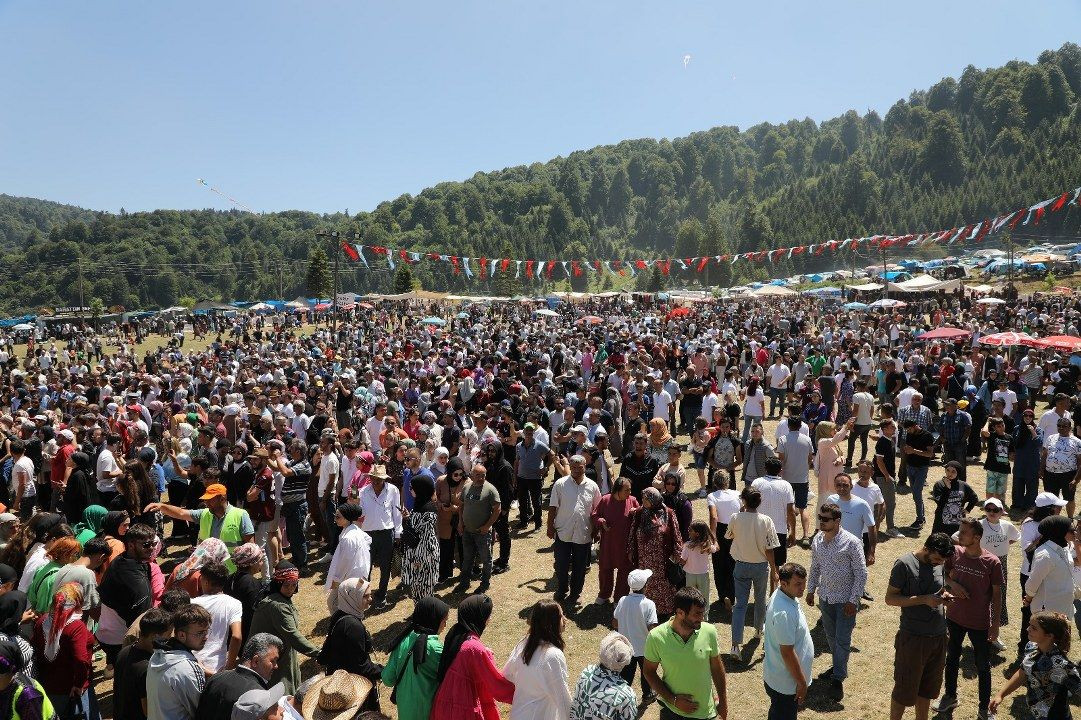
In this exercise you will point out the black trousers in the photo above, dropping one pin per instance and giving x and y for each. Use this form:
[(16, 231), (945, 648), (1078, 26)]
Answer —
[(502, 533), (447, 549), (627, 674), (723, 565), (382, 558), (529, 500), (780, 554)]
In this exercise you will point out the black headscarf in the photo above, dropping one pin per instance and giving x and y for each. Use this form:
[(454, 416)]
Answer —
[(42, 523), (82, 461), (473, 616), (427, 617), (423, 490), (452, 465), (111, 524), (1054, 528)]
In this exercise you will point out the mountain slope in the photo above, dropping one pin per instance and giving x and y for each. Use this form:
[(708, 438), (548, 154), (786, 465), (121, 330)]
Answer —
[(989, 141)]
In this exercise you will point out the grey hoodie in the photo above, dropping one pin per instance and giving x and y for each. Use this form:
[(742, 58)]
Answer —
[(174, 682)]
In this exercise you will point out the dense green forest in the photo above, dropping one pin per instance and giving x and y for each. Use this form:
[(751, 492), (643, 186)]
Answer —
[(990, 141)]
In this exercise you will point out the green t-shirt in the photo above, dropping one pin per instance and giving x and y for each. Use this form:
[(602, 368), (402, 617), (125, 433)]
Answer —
[(816, 362), (685, 664), (477, 504)]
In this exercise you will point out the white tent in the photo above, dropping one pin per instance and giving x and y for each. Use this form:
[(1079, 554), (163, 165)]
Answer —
[(774, 291), (869, 287)]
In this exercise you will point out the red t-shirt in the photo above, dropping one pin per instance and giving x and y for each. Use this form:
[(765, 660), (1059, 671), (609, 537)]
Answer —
[(262, 508), (60, 463), (976, 575)]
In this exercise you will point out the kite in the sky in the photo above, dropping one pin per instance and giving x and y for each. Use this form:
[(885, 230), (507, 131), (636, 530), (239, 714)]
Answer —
[(686, 60)]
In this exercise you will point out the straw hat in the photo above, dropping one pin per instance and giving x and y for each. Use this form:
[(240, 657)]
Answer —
[(335, 697)]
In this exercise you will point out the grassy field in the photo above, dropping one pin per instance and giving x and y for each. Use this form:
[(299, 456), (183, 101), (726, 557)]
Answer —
[(530, 579)]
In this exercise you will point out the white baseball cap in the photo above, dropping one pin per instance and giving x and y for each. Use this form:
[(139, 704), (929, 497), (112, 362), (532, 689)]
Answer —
[(1047, 499), (637, 579)]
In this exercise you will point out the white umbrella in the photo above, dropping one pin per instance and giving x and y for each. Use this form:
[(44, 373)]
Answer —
[(991, 301), (23, 326), (547, 313), (888, 302)]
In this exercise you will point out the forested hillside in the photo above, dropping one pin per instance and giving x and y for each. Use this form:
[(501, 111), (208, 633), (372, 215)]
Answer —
[(990, 141)]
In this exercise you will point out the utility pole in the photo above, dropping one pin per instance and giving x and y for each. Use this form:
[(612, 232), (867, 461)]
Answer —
[(885, 278), (1009, 260), (334, 285)]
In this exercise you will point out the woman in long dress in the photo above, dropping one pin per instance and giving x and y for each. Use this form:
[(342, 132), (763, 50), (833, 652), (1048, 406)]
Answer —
[(655, 538), (420, 566), (829, 461), (612, 523)]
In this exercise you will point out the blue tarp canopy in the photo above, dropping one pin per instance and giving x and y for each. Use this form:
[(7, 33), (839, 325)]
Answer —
[(892, 275), (276, 304), (12, 322), (909, 264), (778, 282), (815, 278)]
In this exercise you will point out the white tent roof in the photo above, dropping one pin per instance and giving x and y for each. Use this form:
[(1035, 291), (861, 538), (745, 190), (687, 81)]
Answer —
[(773, 291), (867, 287)]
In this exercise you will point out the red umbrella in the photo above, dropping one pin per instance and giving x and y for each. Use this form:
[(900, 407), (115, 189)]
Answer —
[(945, 333), (678, 312), (1067, 343), (592, 319), (1007, 339)]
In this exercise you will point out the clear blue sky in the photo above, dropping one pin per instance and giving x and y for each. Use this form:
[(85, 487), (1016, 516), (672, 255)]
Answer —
[(327, 105)]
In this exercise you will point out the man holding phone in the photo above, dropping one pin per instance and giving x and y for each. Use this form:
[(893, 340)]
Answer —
[(916, 586)]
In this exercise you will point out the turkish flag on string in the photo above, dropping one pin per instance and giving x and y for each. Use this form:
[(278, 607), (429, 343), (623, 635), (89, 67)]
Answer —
[(702, 264), (405, 257), (985, 228), (641, 264), (529, 268), (600, 267), (483, 267), (1061, 202), (504, 264), (576, 269), (351, 251), (1017, 216), (548, 267), (618, 267), (434, 256), (457, 266), (798, 250), (379, 250), (665, 266), (1038, 216)]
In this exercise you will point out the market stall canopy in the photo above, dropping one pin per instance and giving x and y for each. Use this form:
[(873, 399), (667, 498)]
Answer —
[(1007, 339), (855, 306), (868, 287), (547, 313), (991, 301), (211, 305), (925, 283), (888, 303), (945, 333), (774, 291)]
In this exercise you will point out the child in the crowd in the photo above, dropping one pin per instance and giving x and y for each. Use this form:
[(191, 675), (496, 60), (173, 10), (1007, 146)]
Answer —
[(699, 440), (696, 556), (635, 615)]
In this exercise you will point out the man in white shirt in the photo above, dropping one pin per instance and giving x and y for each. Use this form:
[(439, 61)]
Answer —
[(778, 375), (779, 503), (662, 402), (223, 639), (108, 470), (301, 421), (1007, 396), (863, 409), (1049, 420), (375, 426), (329, 469), (573, 500), (380, 505), (352, 558), (23, 490), (904, 398)]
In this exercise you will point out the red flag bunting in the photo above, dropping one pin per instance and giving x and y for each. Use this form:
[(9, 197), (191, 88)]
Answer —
[(1061, 202), (798, 250), (548, 267), (616, 265), (379, 250), (434, 256), (702, 264), (454, 262), (483, 267), (665, 266), (1017, 217), (1038, 216), (529, 268), (641, 264), (351, 251), (504, 264), (576, 269), (600, 268)]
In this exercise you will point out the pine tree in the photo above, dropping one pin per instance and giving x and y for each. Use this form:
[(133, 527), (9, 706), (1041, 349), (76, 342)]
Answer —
[(403, 279), (318, 282)]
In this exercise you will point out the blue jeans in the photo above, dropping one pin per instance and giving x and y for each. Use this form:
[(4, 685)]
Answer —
[(838, 627), (781, 706), (748, 421), (776, 397), (65, 705), (330, 509), (917, 478), (745, 576), (295, 514), (476, 546)]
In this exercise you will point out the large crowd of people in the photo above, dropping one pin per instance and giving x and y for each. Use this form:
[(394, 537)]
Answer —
[(163, 508)]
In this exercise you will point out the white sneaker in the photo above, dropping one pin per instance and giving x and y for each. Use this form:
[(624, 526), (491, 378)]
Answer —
[(893, 532), (735, 652), (325, 559)]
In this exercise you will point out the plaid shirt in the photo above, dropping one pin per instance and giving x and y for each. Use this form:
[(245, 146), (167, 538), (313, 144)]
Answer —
[(953, 427), (922, 417)]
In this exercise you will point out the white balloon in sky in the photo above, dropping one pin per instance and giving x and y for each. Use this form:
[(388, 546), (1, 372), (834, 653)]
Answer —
[(686, 59)]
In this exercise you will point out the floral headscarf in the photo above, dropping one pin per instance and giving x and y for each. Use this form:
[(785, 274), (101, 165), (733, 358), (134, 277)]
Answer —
[(67, 608), (211, 550)]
